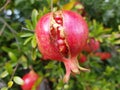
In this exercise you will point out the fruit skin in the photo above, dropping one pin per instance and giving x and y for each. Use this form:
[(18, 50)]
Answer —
[(75, 32), (92, 45), (103, 55), (29, 80)]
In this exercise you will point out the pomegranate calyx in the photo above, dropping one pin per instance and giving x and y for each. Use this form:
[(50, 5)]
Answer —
[(72, 66)]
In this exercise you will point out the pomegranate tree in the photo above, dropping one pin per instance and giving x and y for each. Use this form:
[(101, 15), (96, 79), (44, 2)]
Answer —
[(61, 36)]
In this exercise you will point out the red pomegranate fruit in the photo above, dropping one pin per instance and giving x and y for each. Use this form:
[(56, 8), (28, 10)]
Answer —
[(61, 36), (29, 80), (103, 55), (83, 58), (92, 45)]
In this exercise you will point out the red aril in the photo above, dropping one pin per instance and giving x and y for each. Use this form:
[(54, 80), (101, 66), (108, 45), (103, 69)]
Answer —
[(29, 80), (61, 36)]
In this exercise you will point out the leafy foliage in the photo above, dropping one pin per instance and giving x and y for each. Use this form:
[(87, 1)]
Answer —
[(19, 52)]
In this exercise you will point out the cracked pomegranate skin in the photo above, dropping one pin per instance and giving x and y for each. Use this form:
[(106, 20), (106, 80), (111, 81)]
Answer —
[(61, 36)]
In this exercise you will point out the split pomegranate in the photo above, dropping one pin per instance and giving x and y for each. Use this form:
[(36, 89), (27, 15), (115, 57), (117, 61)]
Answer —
[(61, 36), (29, 80)]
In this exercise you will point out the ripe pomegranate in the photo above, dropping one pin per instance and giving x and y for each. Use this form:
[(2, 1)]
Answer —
[(92, 45), (103, 55), (61, 36), (29, 80), (83, 58)]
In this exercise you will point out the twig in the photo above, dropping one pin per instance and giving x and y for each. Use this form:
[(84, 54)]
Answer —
[(14, 71), (51, 6), (11, 29), (7, 2), (63, 87), (116, 35), (8, 26), (1, 31)]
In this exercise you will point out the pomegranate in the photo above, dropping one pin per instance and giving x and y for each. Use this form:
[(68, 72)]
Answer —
[(83, 58), (61, 36), (92, 45), (103, 55), (29, 80)]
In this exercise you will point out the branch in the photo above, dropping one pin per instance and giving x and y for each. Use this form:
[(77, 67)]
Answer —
[(51, 6), (11, 29), (7, 2), (1, 31), (14, 70), (107, 36)]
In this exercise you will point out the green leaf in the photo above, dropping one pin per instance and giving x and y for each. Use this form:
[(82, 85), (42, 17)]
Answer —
[(29, 24), (34, 17), (40, 14), (55, 1), (26, 35), (95, 88), (79, 6), (24, 61), (4, 88), (27, 40), (9, 68), (34, 54), (32, 1), (10, 84), (33, 42), (36, 84), (50, 65), (4, 74), (97, 29), (119, 27), (18, 2), (12, 56), (45, 10), (18, 80), (117, 42), (69, 5), (6, 49)]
